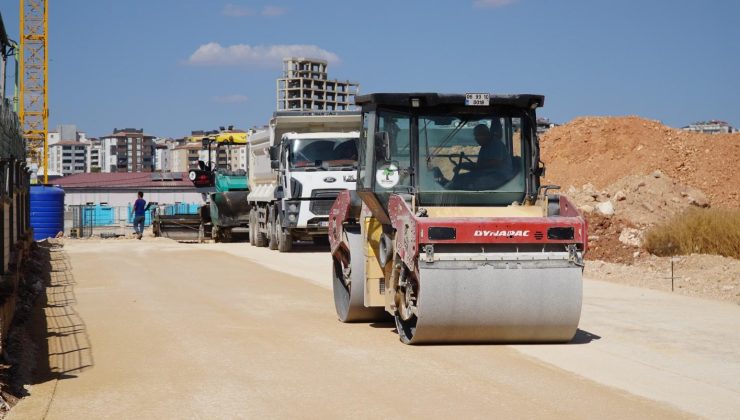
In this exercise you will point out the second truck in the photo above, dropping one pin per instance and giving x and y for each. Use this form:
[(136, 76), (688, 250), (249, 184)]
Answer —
[(297, 167)]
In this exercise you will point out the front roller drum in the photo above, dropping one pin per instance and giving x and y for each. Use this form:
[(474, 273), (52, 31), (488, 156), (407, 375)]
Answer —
[(452, 302), (349, 284)]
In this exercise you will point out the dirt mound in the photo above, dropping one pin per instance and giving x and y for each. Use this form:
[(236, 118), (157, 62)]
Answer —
[(603, 150), (640, 200), (603, 240)]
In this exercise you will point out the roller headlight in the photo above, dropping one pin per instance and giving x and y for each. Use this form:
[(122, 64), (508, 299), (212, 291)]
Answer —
[(293, 208), (292, 218)]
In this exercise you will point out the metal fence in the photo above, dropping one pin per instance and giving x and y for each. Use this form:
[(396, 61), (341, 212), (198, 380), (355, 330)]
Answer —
[(84, 221)]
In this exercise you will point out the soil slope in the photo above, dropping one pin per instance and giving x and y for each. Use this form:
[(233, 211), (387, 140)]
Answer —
[(603, 150)]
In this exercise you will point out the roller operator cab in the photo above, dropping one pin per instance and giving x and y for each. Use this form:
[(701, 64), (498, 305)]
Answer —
[(449, 230)]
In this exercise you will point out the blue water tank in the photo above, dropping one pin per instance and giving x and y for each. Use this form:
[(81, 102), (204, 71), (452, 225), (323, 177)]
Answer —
[(47, 211)]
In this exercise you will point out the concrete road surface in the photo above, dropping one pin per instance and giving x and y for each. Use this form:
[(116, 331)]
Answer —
[(157, 329)]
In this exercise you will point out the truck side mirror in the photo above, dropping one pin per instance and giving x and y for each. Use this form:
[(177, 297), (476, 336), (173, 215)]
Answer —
[(540, 172), (382, 146), (274, 152)]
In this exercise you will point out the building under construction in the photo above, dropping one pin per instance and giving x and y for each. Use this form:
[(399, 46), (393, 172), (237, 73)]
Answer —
[(305, 86)]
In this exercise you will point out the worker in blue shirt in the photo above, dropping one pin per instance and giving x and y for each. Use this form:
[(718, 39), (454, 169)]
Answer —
[(139, 212)]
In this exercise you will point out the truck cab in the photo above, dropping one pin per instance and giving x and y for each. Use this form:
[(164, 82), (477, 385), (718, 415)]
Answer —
[(314, 168), (298, 166)]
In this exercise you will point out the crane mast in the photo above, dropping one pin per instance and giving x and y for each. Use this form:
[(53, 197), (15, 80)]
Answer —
[(33, 96)]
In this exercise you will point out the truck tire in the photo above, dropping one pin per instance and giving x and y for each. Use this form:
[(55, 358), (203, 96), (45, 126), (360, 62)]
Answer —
[(285, 239), (260, 239), (271, 235), (252, 227), (216, 234)]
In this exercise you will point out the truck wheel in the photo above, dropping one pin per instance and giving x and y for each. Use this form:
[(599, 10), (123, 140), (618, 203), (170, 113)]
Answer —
[(285, 239), (260, 239), (271, 236), (252, 228)]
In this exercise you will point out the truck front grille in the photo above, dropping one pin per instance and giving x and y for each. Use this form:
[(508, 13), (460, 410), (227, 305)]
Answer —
[(322, 200)]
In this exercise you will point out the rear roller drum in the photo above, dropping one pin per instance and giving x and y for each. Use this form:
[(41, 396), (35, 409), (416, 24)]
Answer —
[(349, 285)]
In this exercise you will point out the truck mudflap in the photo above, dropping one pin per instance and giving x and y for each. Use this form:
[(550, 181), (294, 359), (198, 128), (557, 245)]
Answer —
[(504, 298)]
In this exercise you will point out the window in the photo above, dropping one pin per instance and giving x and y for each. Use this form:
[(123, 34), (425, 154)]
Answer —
[(310, 153), (479, 154), (395, 174)]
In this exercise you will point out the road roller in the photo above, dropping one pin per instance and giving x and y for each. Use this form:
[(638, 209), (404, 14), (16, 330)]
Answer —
[(450, 232)]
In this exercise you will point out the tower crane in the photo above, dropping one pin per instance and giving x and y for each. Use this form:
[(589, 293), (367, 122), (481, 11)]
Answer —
[(34, 81)]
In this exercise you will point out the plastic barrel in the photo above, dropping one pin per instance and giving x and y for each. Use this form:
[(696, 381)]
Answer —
[(47, 211)]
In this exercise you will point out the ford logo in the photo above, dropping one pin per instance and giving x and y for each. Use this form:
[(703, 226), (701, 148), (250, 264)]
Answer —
[(329, 179)]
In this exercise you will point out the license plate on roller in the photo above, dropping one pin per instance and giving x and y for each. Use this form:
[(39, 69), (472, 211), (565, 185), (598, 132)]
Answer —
[(324, 223), (477, 99)]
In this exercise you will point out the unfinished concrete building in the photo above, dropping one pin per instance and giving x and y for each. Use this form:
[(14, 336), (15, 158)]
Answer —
[(305, 86)]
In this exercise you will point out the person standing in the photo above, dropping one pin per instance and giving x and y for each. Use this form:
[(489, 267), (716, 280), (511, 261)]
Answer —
[(139, 212)]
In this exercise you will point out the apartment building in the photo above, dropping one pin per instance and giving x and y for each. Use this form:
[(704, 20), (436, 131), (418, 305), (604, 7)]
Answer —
[(305, 86), (67, 148), (93, 155), (127, 150), (67, 157), (186, 156)]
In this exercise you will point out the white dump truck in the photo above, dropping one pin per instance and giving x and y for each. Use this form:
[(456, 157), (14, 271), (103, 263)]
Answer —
[(297, 167)]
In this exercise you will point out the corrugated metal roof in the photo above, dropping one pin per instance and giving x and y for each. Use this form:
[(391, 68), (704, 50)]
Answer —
[(126, 180)]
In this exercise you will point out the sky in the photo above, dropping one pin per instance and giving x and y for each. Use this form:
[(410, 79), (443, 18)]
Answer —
[(172, 66)]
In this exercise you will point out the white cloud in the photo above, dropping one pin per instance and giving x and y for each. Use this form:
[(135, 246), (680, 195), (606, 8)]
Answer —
[(234, 10), (490, 4), (273, 11), (213, 54), (230, 99)]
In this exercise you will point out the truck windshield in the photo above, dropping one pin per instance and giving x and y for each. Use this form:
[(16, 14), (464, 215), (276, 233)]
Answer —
[(475, 159), (318, 153)]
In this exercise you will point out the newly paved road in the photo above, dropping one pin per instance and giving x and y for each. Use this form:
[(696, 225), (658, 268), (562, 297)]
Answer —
[(157, 329)]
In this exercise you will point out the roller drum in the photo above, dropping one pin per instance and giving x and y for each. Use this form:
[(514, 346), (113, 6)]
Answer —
[(506, 302), (349, 301)]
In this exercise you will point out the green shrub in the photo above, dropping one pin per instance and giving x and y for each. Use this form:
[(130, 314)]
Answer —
[(697, 231)]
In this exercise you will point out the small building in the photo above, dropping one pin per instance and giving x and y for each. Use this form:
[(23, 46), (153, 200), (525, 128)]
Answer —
[(115, 193), (710, 127), (119, 189), (544, 124)]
